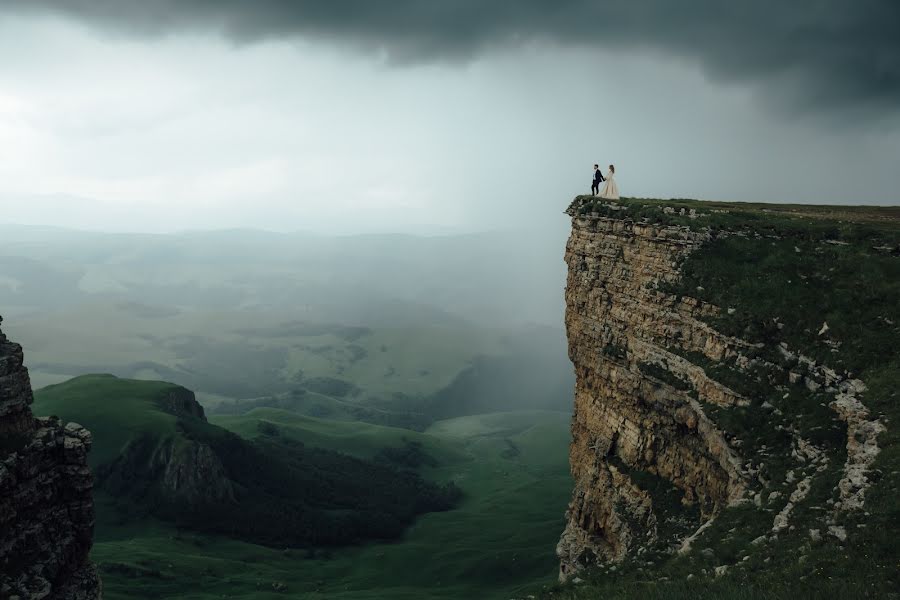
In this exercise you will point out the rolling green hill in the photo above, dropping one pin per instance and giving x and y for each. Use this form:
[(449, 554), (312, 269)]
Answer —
[(511, 467), (116, 411), (499, 543), (363, 440), (157, 455)]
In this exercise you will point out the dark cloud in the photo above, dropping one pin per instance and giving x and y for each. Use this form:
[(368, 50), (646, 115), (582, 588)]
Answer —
[(818, 53)]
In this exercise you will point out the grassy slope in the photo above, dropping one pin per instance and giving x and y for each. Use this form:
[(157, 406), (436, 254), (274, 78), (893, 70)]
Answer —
[(115, 410), (512, 467), (742, 213), (293, 493), (317, 405), (500, 540), (785, 268), (363, 440)]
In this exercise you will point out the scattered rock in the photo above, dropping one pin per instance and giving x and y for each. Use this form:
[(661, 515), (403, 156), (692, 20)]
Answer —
[(862, 445), (838, 531)]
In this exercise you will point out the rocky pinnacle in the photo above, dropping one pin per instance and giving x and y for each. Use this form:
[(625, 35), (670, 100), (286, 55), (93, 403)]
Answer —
[(46, 506)]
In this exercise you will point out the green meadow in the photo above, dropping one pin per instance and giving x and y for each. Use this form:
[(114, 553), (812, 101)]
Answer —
[(116, 411), (512, 468)]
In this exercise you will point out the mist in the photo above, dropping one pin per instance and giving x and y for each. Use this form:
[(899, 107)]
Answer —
[(285, 309), (190, 131), (242, 314)]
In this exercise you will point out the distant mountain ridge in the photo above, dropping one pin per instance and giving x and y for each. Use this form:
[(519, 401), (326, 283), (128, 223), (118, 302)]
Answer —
[(496, 277)]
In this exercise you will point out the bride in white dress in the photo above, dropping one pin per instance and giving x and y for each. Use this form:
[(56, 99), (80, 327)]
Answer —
[(610, 190)]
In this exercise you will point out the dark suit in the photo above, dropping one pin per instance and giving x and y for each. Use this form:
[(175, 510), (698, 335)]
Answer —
[(598, 179)]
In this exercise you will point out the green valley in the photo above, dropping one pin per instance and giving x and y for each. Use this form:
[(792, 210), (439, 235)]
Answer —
[(511, 467)]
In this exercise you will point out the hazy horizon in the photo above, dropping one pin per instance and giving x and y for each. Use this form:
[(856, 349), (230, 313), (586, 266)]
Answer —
[(309, 299), (197, 117)]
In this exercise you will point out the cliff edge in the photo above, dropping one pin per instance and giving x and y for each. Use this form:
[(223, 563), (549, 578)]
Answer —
[(714, 404), (46, 507)]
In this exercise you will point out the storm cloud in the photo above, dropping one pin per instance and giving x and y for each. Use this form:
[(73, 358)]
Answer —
[(825, 54)]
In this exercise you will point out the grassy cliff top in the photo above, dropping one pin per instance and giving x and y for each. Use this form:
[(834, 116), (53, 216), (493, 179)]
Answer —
[(114, 410), (728, 215), (786, 270)]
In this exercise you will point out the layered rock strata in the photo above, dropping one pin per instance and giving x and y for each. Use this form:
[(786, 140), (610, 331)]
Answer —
[(639, 401), (46, 506), (637, 404)]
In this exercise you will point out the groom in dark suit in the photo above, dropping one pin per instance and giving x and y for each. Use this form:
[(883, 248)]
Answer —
[(598, 179)]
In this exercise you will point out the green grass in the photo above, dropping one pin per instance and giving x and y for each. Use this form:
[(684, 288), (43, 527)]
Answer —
[(304, 402), (363, 440), (272, 489), (499, 542), (512, 467), (116, 411), (786, 289), (760, 216)]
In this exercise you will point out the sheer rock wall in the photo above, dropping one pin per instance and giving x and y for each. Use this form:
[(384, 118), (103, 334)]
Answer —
[(46, 506), (622, 332)]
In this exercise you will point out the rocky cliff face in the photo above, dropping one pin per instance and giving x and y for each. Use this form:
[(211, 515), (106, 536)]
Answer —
[(651, 467), (46, 507), (173, 468)]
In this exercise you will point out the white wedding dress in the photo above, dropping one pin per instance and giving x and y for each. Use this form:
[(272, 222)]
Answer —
[(610, 190)]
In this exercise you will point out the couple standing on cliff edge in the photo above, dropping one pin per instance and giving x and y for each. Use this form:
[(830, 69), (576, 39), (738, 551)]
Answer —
[(610, 190)]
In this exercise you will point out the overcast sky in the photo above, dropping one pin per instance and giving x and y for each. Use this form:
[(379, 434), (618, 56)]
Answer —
[(428, 116)]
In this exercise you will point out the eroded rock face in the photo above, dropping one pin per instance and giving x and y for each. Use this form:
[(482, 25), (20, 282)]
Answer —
[(15, 391), (46, 507), (642, 395), (182, 402), (178, 470), (636, 402)]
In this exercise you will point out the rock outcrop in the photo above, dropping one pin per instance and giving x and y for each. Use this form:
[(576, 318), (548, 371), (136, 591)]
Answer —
[(46, 506), (620, 331), (174, 469), (644, 403)]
